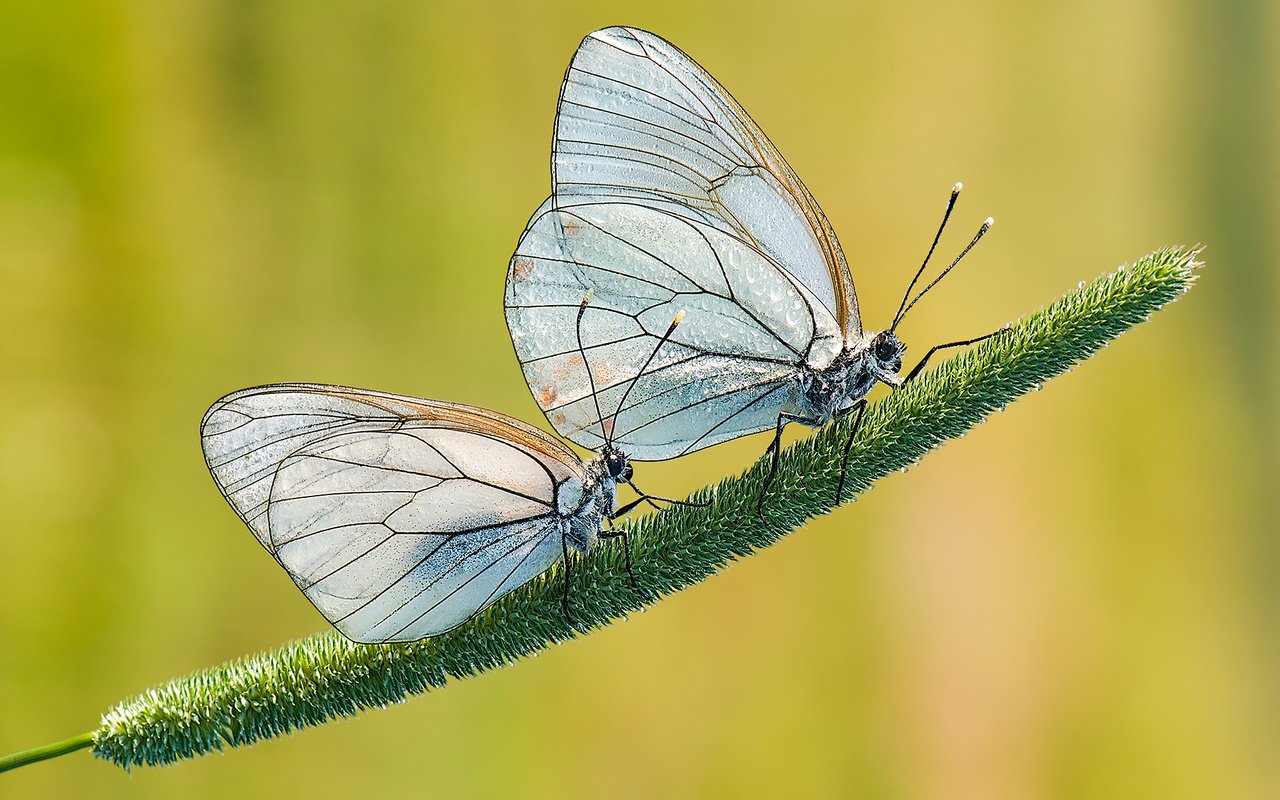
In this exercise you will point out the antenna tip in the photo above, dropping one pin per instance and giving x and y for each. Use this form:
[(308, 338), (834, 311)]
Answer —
[(956, 189), (679, 316), (988, 222), (586, 298)]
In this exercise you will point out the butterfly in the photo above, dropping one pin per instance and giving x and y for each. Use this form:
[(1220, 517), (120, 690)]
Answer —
[(402, 518), (668, 199)]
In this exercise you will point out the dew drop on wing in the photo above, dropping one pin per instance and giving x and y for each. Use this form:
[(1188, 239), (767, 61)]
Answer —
[(734, 259)]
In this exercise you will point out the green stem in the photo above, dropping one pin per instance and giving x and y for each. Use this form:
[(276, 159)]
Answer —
[(15, 760), (317, 679)]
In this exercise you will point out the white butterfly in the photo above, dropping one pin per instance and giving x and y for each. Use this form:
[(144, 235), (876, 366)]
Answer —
[(402, 518), (667, 199)]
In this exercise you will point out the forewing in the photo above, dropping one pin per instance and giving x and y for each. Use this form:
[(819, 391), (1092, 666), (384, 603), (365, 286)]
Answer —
[(398, 518), (639, 119), (747, 327)]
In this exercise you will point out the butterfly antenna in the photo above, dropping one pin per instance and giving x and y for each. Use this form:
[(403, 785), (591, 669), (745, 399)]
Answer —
[(986, 226), (951, 204), (582, 351), (670, 330)]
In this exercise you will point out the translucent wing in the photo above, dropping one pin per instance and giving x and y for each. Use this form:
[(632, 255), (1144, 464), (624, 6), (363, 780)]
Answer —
[(726, 370), (399, 518), (639, 119)]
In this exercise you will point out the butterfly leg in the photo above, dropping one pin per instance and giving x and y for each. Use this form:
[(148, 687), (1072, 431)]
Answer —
[(964, 343), (628, 508), (651, 498), (858, 408), (568, 582), (775, 448), (625, 536)]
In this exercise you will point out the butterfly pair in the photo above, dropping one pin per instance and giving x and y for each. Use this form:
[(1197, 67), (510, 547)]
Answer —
[(680, 278)]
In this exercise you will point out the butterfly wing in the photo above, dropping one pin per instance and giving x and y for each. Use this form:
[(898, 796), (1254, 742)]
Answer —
[(398, 518), (638, 119), (725, 371), (668, 198)]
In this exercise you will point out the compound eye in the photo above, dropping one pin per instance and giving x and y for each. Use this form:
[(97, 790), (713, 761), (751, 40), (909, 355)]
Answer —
[(884, 350)]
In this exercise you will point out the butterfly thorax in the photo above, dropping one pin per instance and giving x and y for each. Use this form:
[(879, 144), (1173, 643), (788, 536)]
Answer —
[(585, 510), (824, 391), (833, 390)]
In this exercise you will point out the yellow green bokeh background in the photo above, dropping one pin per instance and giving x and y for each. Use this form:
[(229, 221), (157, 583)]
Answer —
[(1078, 600)]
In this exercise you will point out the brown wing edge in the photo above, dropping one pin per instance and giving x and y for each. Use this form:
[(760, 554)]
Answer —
[(455, 416)]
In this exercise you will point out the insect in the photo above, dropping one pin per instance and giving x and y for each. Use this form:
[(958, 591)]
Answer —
[(666, 197), (402, 518)]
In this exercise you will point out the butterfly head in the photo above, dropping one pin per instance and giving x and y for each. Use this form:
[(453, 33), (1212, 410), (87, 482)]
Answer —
[(617, 465), (595, 500), (885, 360)]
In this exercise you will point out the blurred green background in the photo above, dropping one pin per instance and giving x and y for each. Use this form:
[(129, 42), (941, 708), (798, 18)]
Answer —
[(1076, 601)]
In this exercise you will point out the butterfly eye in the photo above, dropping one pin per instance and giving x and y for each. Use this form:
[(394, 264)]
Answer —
[(617, 465), (884, 350)]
